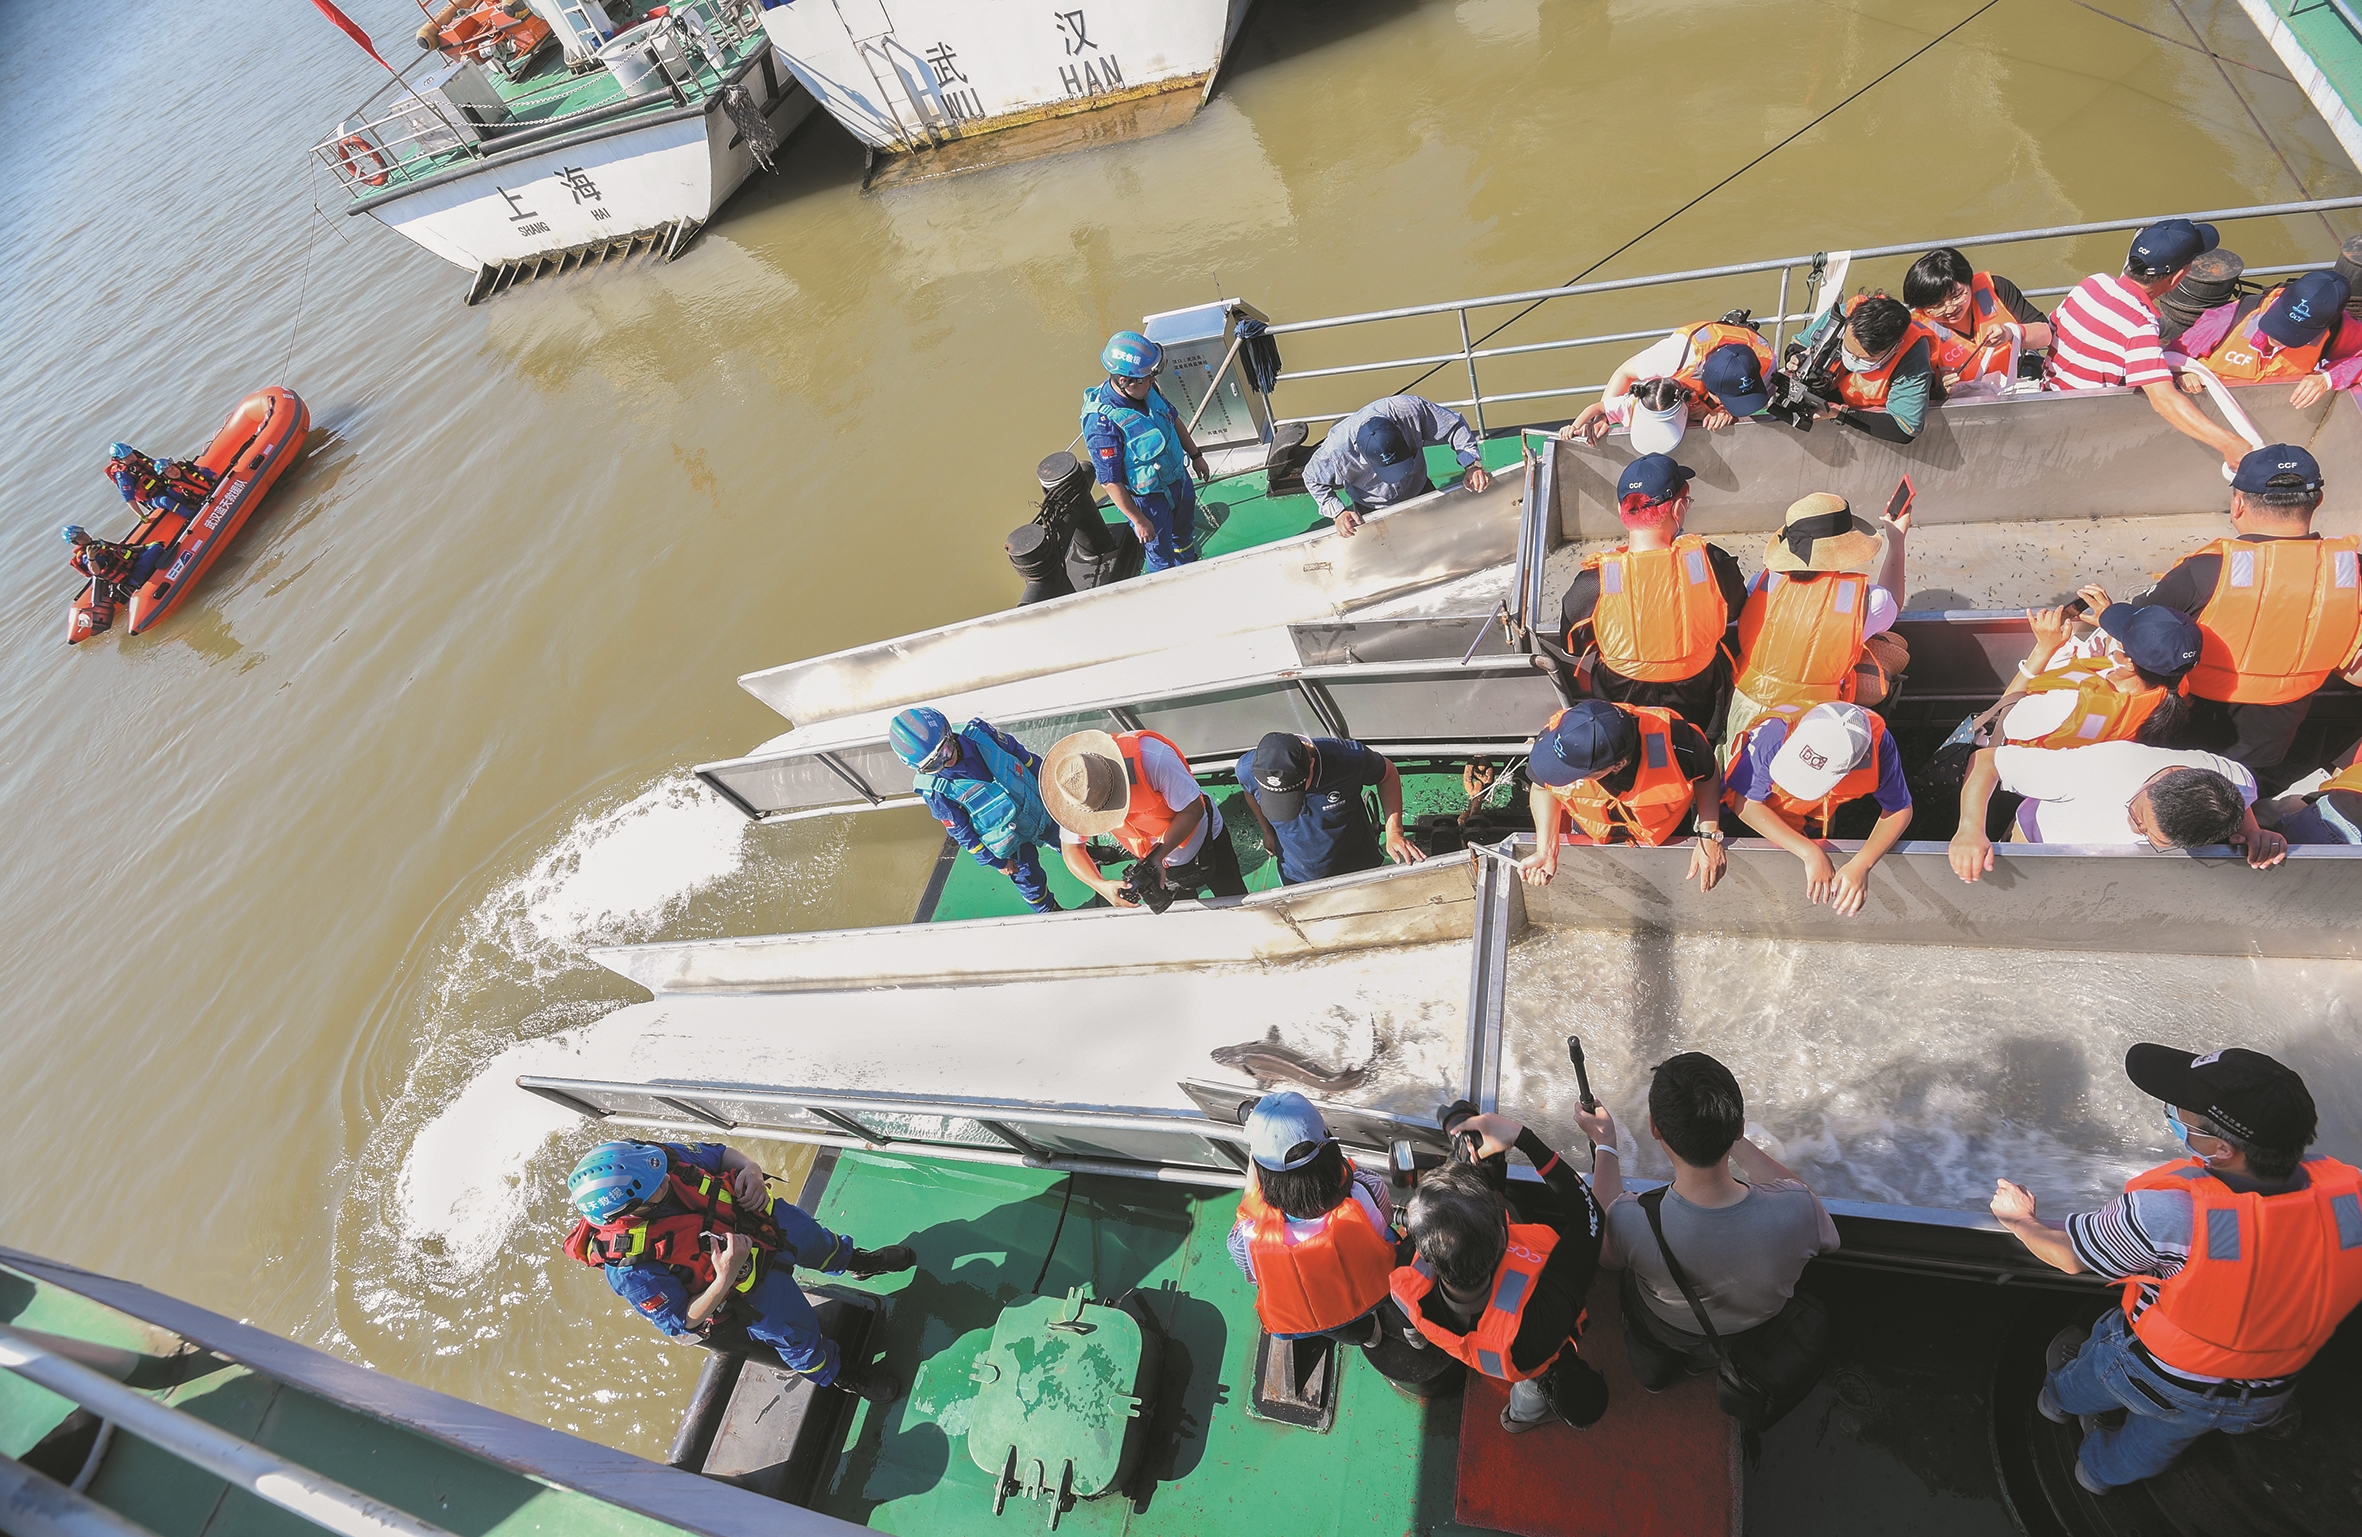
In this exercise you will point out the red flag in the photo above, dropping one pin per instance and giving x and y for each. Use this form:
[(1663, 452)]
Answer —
[(345, 23)]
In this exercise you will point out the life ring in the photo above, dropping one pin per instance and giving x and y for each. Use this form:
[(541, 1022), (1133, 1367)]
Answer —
[(349, 151)]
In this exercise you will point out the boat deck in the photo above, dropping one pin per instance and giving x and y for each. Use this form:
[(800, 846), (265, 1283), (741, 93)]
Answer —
[(1241, 512)]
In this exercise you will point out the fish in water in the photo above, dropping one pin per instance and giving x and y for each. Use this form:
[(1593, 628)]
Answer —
[(1267, 1060)]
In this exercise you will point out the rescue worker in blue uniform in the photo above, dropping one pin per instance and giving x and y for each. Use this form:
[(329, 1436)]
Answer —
[(985, 787), (685, 1236), (159, 485), (1141, 452)]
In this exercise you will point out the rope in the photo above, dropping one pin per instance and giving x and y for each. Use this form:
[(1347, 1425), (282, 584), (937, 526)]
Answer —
[(1710, 191), (2269, 74), (2260, 129), (303, 285)]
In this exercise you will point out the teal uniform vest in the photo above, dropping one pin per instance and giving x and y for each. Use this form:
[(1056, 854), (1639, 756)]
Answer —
[(1006, 810), (1153, 460)]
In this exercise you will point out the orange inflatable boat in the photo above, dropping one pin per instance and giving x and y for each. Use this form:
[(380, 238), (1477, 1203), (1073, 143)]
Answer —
[(252, 450)]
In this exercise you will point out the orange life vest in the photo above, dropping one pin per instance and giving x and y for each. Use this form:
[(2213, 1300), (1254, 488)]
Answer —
[(2285, 614), (2269, 1277), (1329, 1279), (1867, 391), (2347, 778), (1486, 1347), (1799, 641), (1954, 353), (1706, 338), (1800, 814), (1146, 819), (1661, 613), (2103, 712), (2247, 356), (676, 1240), (1660, 796)]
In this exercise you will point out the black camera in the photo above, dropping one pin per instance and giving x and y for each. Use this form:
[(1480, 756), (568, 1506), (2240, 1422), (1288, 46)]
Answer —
[(1804, 385), (1145, 883)]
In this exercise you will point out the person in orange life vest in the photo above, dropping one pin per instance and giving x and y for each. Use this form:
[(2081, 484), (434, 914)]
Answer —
[(1648, 622), (1137, 789), (1884, 374), (2238, 1262), (159, 485), (1624, 774), (2280, 608), (1815, 626), (688, 1235), (1314, 1232), (1793, 768), (1981, 322), (2295, 331), (1717, 368), (117, 568), (2130, 691), (1505, 1296)]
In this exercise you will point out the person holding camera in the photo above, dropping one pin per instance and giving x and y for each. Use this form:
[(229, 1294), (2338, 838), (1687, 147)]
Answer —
[(1869, 364), (1314, 1232), (1505, 1296), (1137, 788), (1710, 1263), (689, 1236)]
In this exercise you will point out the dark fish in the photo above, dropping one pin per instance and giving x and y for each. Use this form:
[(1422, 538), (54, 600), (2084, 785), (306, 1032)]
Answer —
[(1267, 1060)]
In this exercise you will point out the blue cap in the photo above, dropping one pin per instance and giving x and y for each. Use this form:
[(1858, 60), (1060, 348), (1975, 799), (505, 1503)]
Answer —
[(2303, 309), (1284, 1131), (121, 451), (1582, 743), (917, 736), (69, 532), (1381, 444), (1653, 478), (1129, 355), (2169, 245), (2291, 466), (2161, 641), (1734, 374)]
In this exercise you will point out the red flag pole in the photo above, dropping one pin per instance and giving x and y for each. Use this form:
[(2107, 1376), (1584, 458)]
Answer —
[(346, 25)]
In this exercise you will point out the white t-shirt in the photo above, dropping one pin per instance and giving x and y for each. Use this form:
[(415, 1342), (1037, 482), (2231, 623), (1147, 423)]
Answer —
[(1882, 611), (1662, 359), (1170, 778), (2081, 794)]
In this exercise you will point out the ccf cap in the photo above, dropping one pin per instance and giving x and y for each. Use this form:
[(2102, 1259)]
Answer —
[(1284, 1131), (1581, 743), (1282, 770), (2302, 310), (2244, 1092), (2161, 641), (1380, 441), (2274, 461), (2169, 245), (1829, 742), (1651, 479)]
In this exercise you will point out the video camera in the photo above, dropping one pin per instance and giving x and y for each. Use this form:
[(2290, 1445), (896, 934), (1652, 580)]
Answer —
[(1805, 385), (1146, 884)]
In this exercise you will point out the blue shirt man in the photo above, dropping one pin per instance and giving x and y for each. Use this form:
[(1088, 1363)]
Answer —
[(1306, 794), (1142, 452), (1377, 457)]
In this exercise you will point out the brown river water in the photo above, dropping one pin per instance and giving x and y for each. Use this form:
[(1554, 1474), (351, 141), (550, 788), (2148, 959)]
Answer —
[(284, 877)]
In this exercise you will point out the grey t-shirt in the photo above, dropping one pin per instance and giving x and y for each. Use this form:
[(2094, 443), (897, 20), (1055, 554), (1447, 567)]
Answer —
[(1743, 1259)]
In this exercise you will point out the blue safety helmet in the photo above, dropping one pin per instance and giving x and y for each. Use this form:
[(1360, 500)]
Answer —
[(71, 530), (121, 451), (920, 737), (1129, 355), (612, 1176)]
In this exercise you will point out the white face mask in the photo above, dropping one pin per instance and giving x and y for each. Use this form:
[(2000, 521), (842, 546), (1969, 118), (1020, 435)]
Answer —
[(1854, 362)]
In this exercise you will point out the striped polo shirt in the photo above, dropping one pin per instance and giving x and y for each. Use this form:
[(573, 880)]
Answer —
[(2105, 333)]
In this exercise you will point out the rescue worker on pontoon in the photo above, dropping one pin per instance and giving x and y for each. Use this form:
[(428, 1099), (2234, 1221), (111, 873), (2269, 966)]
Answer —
[(984, 786), (2123, 682), (2238, 1262), (1795, 767), (1623, 773), (1141, 451), (1502, 1296), (1137, 788), (1378, 456), (1647, 622), (1981, 322), (115, 570), (1314, 1232), (1718, 367), (1883, 372), (2279, 611), (159, 485), (689, 1236), (1815, 627), (2297, 331)]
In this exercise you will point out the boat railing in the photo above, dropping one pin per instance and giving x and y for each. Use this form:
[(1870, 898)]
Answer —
[(399, 135), (1797, 288)]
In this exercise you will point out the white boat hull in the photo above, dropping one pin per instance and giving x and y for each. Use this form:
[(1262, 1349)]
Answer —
[(935, 70)]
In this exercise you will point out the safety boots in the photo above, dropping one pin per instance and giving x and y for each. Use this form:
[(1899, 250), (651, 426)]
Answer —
[(861, 1264), (871, 1382)]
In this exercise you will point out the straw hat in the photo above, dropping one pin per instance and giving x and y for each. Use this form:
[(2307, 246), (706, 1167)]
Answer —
[(1821, 533), (1086, 786)]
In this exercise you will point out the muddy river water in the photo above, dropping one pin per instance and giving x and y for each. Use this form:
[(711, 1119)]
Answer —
[(286, 878)]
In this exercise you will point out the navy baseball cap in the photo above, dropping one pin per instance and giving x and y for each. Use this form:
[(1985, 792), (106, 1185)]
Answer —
[(2296, 469), (2302, 310), (1282, 771), (2246, 1093), (1584, 742), (1735, 376), (1650, 479), (1381, 442), (2161, 641), (1284, 1131), (2169, 245)]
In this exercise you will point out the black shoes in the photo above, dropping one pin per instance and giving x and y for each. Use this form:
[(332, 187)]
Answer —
[(872, 1384), (861, 1264)]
